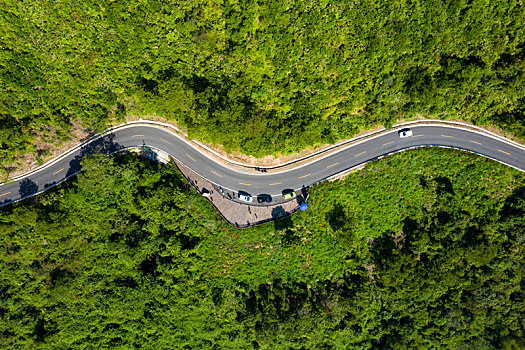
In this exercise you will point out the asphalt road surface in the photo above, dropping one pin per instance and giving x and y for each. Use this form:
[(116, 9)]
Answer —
[(273, 183)]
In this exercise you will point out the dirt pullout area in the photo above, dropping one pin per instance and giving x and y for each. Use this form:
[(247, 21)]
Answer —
[(237, 214)]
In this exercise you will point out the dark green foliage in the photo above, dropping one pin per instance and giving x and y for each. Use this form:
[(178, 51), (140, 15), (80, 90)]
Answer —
[(260, 77), (423, 249)]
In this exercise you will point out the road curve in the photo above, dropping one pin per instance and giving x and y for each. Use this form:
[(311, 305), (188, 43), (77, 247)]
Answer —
[(272, 183)]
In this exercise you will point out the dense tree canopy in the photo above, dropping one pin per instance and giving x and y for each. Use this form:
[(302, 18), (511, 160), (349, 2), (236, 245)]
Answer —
[(257, 76), (423, 249)]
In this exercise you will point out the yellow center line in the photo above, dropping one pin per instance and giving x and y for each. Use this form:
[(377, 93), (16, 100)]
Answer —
[(56, 172), (417, 135), (476, 142), (448, 136), (504, 152), (166, 141), (360, 154), (305, 175), (191, 157), (384, 144), (4, 194), (216, 173), (137, 135), (277, 183), (331, 165), (242, 183)]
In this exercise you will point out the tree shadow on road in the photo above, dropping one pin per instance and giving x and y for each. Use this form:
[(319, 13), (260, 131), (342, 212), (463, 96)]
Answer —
[(105, 145), (27, 188)]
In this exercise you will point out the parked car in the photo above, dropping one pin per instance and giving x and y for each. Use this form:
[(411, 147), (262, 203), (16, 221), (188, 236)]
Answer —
[(406, 132), (264, 198), (245, 197), (289, 194)]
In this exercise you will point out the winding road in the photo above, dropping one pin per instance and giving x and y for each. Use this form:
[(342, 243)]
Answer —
[(272, 183)]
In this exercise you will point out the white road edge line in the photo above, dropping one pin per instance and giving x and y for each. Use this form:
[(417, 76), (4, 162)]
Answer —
[(378, 133)]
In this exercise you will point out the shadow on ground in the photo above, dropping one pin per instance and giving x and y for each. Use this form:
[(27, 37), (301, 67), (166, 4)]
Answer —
[(27, 188), (104, 145)]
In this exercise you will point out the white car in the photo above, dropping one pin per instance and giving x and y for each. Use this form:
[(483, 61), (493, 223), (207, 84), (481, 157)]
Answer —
[(405, 132), (245, 197)]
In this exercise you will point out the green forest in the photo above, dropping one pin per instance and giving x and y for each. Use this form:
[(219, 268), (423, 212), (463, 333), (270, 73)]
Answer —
[(260, 77), (420, 250)]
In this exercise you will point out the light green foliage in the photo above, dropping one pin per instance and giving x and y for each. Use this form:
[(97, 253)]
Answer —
[(419, 250), (262, 78)]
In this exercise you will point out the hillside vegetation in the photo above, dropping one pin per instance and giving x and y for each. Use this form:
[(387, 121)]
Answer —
[(422, 249), (259, 77)]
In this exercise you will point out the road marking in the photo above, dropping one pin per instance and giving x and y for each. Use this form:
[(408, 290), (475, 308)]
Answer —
[(137, 136), (331, 165), (56, 172), (277, 183), (504, 152), (4, 194), (448, 136), (417, 135), (384, 144), (476, 142), (169, 143), (242, 183), (360, 154), (216, 173), (191, 157), (305, 176)]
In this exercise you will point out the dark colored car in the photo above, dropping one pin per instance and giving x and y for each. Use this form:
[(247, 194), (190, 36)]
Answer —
[(264, 198)]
